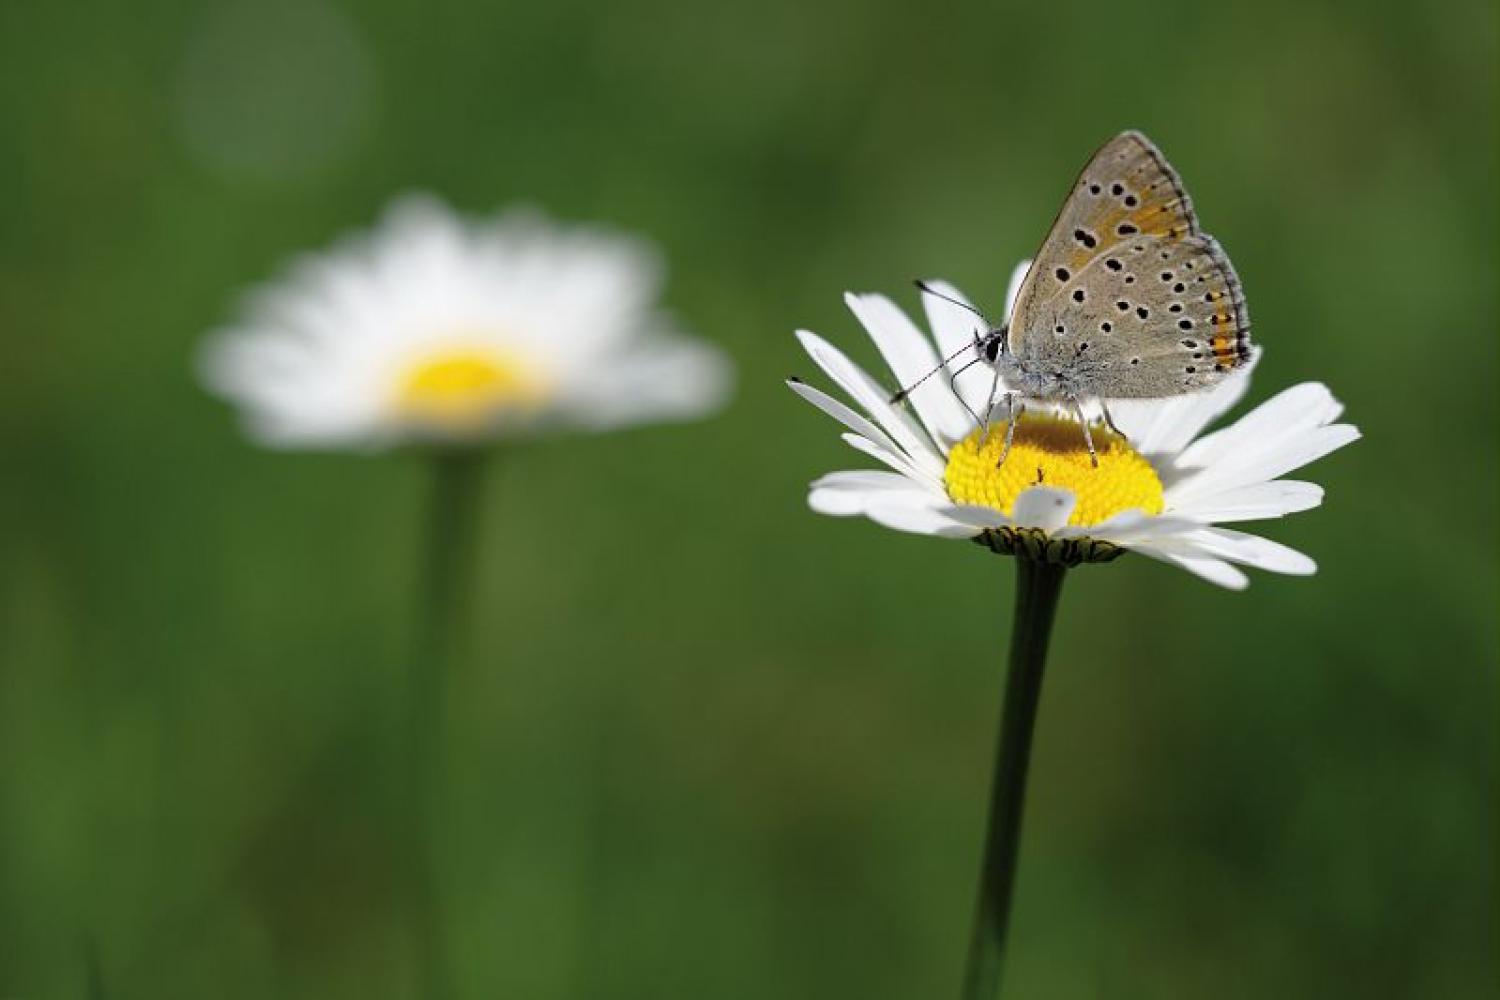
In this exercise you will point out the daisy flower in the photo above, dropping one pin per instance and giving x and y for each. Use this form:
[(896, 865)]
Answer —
[(451, 333), (1163, 489), (435, 328)]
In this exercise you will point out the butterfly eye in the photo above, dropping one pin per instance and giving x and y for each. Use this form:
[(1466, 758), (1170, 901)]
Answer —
[(992, 347)]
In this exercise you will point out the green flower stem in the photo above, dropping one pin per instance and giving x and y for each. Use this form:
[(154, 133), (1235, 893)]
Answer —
[(1038, 585), (443, 617)]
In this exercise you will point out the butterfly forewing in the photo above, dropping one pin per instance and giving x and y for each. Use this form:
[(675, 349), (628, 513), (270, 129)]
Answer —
[(1125, 276)]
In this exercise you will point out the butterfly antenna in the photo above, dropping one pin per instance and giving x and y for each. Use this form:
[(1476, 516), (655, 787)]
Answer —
[(901, 396), (924, 286)]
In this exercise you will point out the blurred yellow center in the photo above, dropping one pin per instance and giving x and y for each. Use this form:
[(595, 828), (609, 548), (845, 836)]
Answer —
[(1050, 451), (465, 388)]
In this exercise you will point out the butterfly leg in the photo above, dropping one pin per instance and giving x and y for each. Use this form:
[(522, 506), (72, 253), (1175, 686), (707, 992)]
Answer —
[(1088, 438), (989, 409), (1012, 414), (980, 420), (953, 384), (989, 403), (1110, 421)]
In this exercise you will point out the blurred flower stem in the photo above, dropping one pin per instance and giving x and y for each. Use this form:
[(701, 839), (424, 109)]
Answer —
[(442, 624), (1038, 586)]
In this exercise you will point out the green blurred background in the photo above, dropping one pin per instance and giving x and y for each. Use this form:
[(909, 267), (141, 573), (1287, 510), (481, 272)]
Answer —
[(714, 745)]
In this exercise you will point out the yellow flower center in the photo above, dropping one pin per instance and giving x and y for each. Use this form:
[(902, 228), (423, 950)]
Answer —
[(1050, 451), (463, 389)]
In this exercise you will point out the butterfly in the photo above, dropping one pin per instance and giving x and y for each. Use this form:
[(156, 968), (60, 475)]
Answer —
[(1126, 299)]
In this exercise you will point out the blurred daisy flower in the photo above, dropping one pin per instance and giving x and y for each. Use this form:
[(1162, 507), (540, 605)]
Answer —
[(452, 333), (1162, 490), (437, 328)]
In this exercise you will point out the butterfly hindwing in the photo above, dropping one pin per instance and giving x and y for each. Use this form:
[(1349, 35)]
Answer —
[(1163, 316)]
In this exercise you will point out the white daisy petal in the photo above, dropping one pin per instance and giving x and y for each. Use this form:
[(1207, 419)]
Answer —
[(897, 460), (655, 380), (1257, 501), (876, 402), (1128, 528), (920, 520), (1124, 522), (1283, 417), (843, 414), (1250, 550), (1208, 568), (276, 428), (978, 517), (838, 503), (1234, 470), (844, 494), (911, 358), (865, 479), (1043, 507)]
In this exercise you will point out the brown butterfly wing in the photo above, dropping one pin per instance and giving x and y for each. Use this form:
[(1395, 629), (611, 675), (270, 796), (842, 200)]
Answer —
[(1127, 221), (1162, 316)]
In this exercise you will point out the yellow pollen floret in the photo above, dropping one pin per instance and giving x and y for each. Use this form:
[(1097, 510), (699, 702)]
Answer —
[(464, 389), (1050, 451)]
